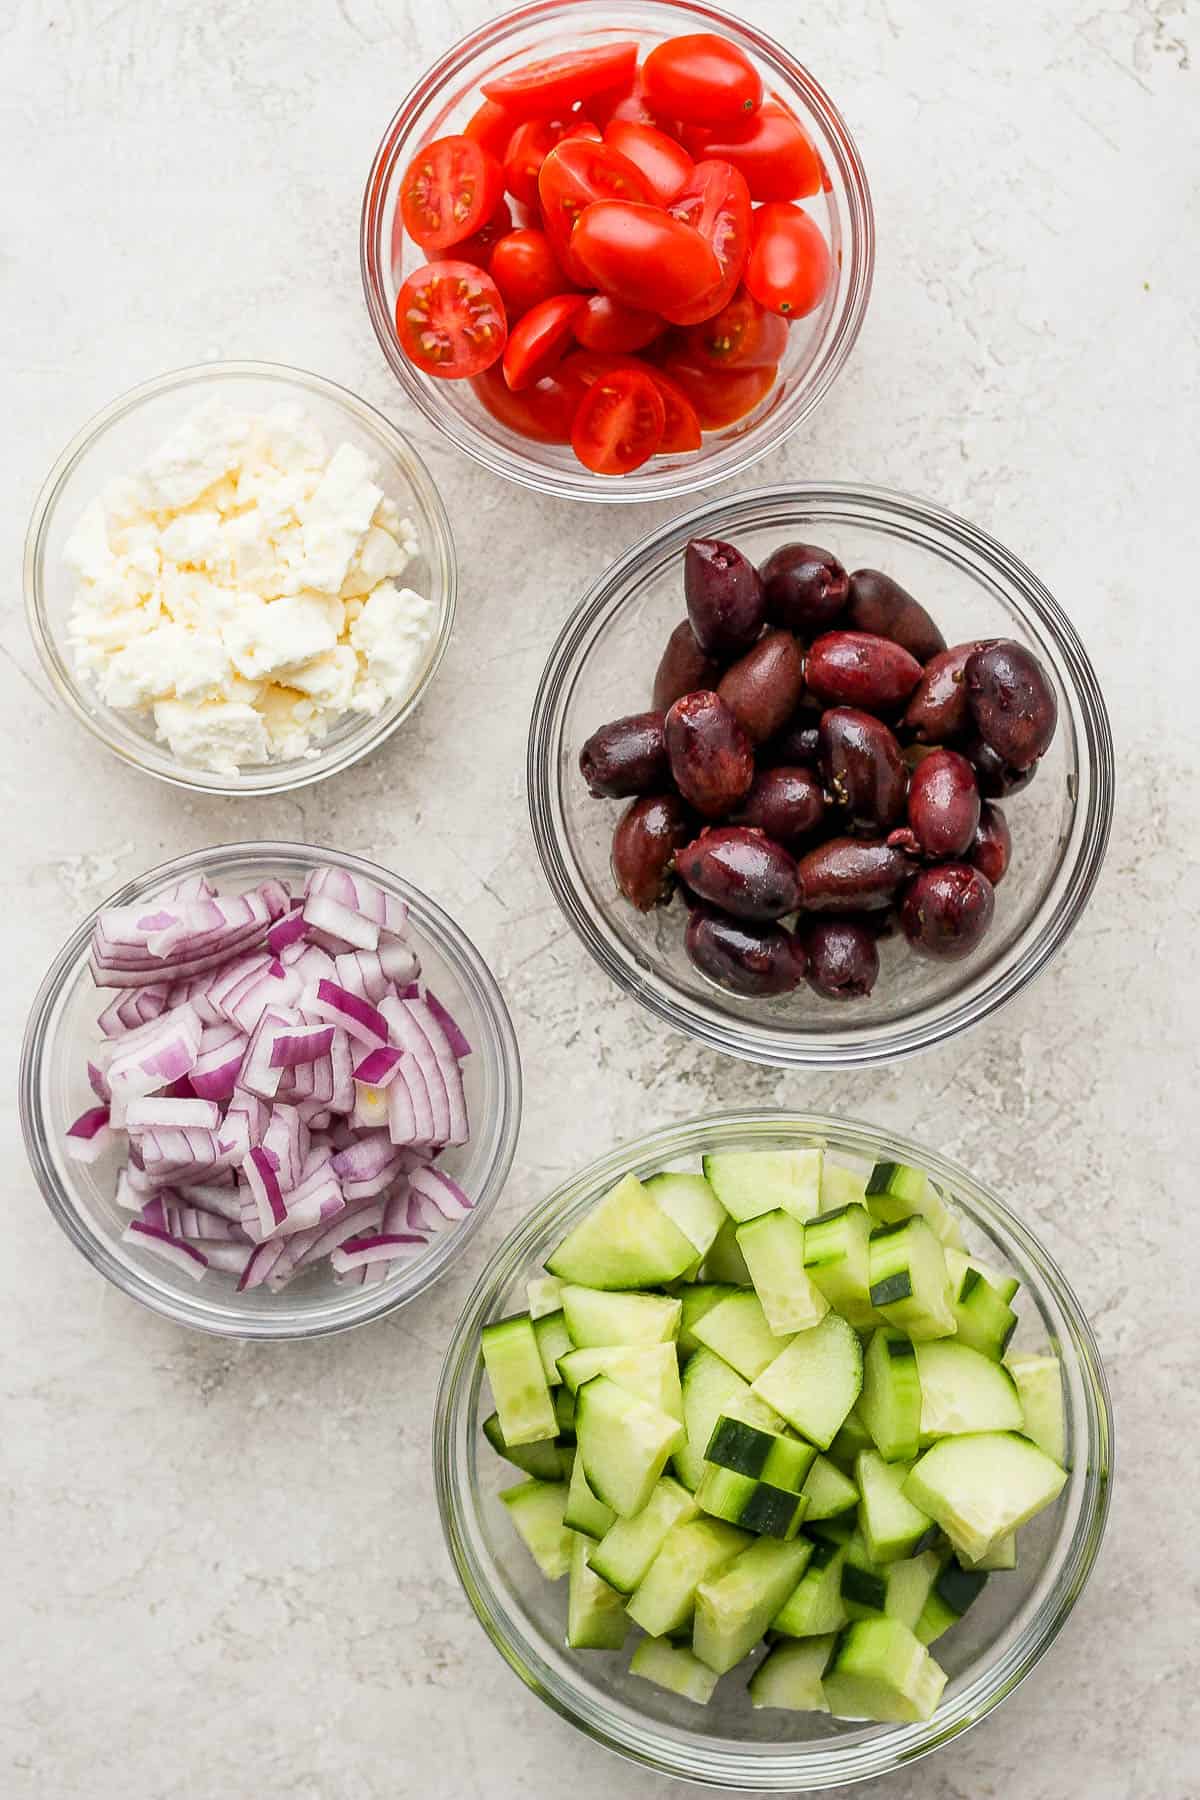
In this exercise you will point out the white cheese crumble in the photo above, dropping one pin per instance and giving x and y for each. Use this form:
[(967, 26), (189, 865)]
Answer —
[(241, 588)]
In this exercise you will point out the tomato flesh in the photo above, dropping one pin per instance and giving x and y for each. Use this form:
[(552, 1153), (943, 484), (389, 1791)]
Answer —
[(480, 248), (606, 324), (574, 176), (789, 267), (665, 164), (492, 126), (743, 335), (526, 270), (619, 422), (555, 83), (529, 147), (539, 340), (450, 189), (450, 320), (716, 202), (681, 426), (541, 413), (645, 257), (719, 399), (772, 152), (702, 79)]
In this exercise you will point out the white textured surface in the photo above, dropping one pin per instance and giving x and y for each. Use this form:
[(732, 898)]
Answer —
[(222, 1574)]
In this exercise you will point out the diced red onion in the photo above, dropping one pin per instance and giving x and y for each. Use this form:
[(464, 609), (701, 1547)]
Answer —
[(291, 929), (171, 1249), (363, 1021), (407, 1031), (230, 1259), (338, 928), (263, 1209), (154, 1110), (210, 1197), (378, 1067), (90, 1135), (133, 1007), (442, 1192), (98, 1082), (459, 1044), (382, 1247), (300, 1044), (259, 1264), (448, 1069)]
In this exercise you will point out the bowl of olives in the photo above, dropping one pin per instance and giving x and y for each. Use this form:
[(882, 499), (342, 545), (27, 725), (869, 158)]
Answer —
[(820, 774)]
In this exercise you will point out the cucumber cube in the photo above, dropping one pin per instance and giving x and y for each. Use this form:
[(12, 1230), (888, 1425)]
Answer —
[(673, 1666), (828, 1492), (738, 1332), (552, 1342), (651, 1371), (596, 1617), (890, 1404), (709, 1388), (623, 1442), (790, 1677), (597, 1318), (815, 1381), (626, 1241), (691, 1203), (879, 1670), (543, 1459), (773, 1246), (522, 1393), (963, 1391), (909, 1585), (981, 1487), (749, 1182), (725, 1261), (1039, 1384), (734, 1608), (584, 1513), (837, 1256), (841, 1186), (536, 1508), (955, 1590), (892, 1527), (627, 1549), (696, 1300), (909, 1282), (815, 1605), (692, 1551)]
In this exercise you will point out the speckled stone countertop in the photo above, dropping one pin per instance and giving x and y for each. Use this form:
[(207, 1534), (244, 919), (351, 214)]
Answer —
[(222, 1572)]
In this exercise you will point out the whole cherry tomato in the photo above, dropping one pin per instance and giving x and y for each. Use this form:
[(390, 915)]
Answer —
[(491, 126), (606, 324), (665, 164), (716, 202), (769, 148), (556, 83), (542, 412), (719, 399), (450, 319), (479, 249), (529, 147), (743, 335), (575, 175), (450, 188), (643, 256), (789, 267), (700, 78), (526, 270), (619, 422), (538, 340)]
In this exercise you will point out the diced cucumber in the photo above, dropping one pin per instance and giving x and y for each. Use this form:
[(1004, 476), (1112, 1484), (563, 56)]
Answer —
[(596, 1617), (815, 1605), (596, 1318), (896, 1192), (536, 1508), (952, 1593), (983, 1318), (543, 1294), (766, 1455), (909, 1283), (841, 1186), (909, 1585), (815, 1381), (1039, 1384), (879, 1670), (864, 1581), (691, 1203), (754, 1505), (624, 1444), (696, 1300), (1001, 1554), (979, 1488), (674, 1667), (692, 1552), (828, 1491), (890, 1404), (651, 1371), (790, 1677), (564, 1412), (892, 1527), (773, 1246), (963, 1391), (584, 1513), (709, 1386), (852, 1437), (626, 1241), (958, 1262), (725, 1261), (628, 1548), (544, 1459), (837, 1255), (738, 1332), (519, 1386), (734, 1608), (553, 1341), (749, 1182)]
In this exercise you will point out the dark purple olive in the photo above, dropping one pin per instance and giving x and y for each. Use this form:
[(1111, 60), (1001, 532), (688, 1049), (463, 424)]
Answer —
[(763, 688), (683, 668), (938, 711), (724, 597), (805, 588), (881, 605), (843, 960), (997, 780), (648, 834), (991, 847), (758, 960), (798, 744), (852, 668), (849, 875), (741, 872), (1012, 702), (711, 758), (863, 768), (944, 804), (786, 803), (947, 909), (626, 756)]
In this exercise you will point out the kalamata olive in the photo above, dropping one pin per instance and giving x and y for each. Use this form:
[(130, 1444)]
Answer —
[(843, 960), (762, 689), (758, 960), (786, 803), (991, 847), (711, 758), (740, 871), (683, 668), (938, 710), (797, 744), (997, 779), (1012, 702), (881, 605), (805, 588), (849, 875), (852, 668), (626, 756), (648, 834), (863, 768), (947, 909), (944, 804), (724, 597)]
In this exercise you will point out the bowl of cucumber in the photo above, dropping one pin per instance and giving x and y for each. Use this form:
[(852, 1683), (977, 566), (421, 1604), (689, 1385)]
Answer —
[(773, 1451)]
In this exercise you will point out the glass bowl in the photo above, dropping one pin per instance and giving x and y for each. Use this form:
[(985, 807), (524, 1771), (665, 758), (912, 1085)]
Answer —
[(115, 442), (54, 1090), (817, 346), (726, 1744), (602, 665)]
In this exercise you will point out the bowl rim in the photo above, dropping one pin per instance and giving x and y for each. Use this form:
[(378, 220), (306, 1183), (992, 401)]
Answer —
[(945, 533), (173, 1301), (270, 778), (827, 1766), (763, 438)]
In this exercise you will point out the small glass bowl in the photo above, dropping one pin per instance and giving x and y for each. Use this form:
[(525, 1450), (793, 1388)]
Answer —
[(726, 1744), (817, 346), (114, 443), (602, 667), (54, 1090)]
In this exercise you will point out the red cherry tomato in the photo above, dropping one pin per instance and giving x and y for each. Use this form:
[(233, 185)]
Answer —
[(538, 340), (542, 412), (743, 335), (606, 324), (681, 427), (716, 201), (529, 147), (664, 163), (491, 126), (574, 176), (450, 320), (702, 79), (789, 266), (770, 149), (643, 256), (478, 249), (619, 422), (719, 399), (627, 104), (450, 189), (526, 270), (556, 83)]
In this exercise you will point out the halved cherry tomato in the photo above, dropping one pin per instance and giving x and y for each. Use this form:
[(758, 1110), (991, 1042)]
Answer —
[(606, 324), (643, 256), (664, 163), (529, 147), (716, 201), (450, 189), (554, 84), (789, 266), (681, 428), (542, 412), (743, 335), (574, 176), (628, 103), (478, 249), (492, 126), (719, 399), (700, 78), (450, 320), (526, 270), (770, 149), (619, 422), (538, 340)]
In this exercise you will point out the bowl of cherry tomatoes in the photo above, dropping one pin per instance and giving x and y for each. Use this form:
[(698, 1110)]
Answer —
[(617, 253)]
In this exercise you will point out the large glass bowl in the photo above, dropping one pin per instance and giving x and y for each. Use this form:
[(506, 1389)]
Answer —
[(54, 1090), (602, 666), (726, 1744), (818, 346)]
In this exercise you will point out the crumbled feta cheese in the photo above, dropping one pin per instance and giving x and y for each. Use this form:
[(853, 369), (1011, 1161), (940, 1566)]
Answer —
[(391, 634), (220, 735)]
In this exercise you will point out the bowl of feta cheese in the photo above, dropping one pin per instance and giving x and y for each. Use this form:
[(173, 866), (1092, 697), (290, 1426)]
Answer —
[(240, 578)]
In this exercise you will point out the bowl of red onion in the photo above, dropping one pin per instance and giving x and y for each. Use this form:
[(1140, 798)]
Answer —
[(269, 1090)]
